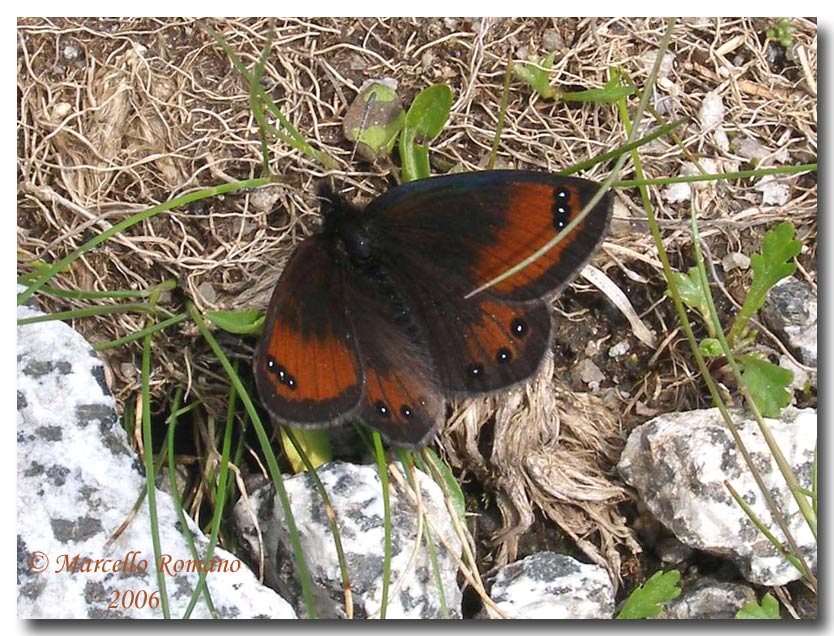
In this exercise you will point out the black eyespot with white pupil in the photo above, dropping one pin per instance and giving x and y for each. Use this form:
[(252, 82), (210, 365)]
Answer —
[(518, 328), (281, 373), (503, 355), (561, 209), (382, 409), (475, 369), (406, 411)]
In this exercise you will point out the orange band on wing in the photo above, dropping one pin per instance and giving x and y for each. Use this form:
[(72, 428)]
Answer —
[(537, 212), (315, 368)]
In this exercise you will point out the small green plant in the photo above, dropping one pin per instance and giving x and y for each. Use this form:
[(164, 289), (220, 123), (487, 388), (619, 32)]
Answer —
[(537, 76), (242, 323), (647, 601), (424, 121), (767, 382), (374, 121), (781, 32), (769, 609)]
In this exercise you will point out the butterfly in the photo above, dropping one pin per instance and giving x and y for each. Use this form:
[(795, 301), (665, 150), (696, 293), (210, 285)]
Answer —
[(370, 318)]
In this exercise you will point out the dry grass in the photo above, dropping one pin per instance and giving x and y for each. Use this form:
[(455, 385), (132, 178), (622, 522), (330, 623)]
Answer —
[(118, 115)]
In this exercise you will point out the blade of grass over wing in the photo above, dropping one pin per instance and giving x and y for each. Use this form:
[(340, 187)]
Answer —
[(272, 463), (48, 272), (603, 187)]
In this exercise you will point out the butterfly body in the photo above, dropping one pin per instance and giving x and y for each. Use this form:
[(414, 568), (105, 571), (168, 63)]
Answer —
[(370, 318)]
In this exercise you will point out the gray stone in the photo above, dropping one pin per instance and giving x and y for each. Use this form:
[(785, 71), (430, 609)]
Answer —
[(678, 464), (355, 493), (77, 482), (549, 585), (707, 598), (791, 312)]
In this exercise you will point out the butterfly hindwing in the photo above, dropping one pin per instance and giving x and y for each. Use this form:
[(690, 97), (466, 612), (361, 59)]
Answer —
[(480, 224), (477, 345), (307, 366), (402, 398)]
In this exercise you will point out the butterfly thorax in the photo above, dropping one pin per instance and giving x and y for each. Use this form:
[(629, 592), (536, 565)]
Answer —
[(343, 224)]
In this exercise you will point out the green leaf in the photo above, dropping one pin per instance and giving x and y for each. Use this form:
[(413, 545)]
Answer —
[(451, 485), (608, 94), (782, 32), (424, 121), (768, 383), (690, 290), (692, 293), (429, 111), (711, 348), (537, 76), (769, 609), (774, 263), (374, 120), (315, 443), (647, 600), (238, 322)]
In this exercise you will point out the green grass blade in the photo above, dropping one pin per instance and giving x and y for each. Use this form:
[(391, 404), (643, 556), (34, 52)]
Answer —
[(382, 469), (271, 461), (150, 473)]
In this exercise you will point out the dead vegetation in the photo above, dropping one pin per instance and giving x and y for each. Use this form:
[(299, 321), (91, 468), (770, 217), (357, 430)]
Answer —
[(115, 116)]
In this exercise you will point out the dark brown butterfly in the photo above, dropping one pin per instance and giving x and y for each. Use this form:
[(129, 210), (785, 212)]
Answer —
[(369, 319)]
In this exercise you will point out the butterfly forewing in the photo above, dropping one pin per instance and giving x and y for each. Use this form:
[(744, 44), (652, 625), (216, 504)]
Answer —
[(478, 225), (306, 364)]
